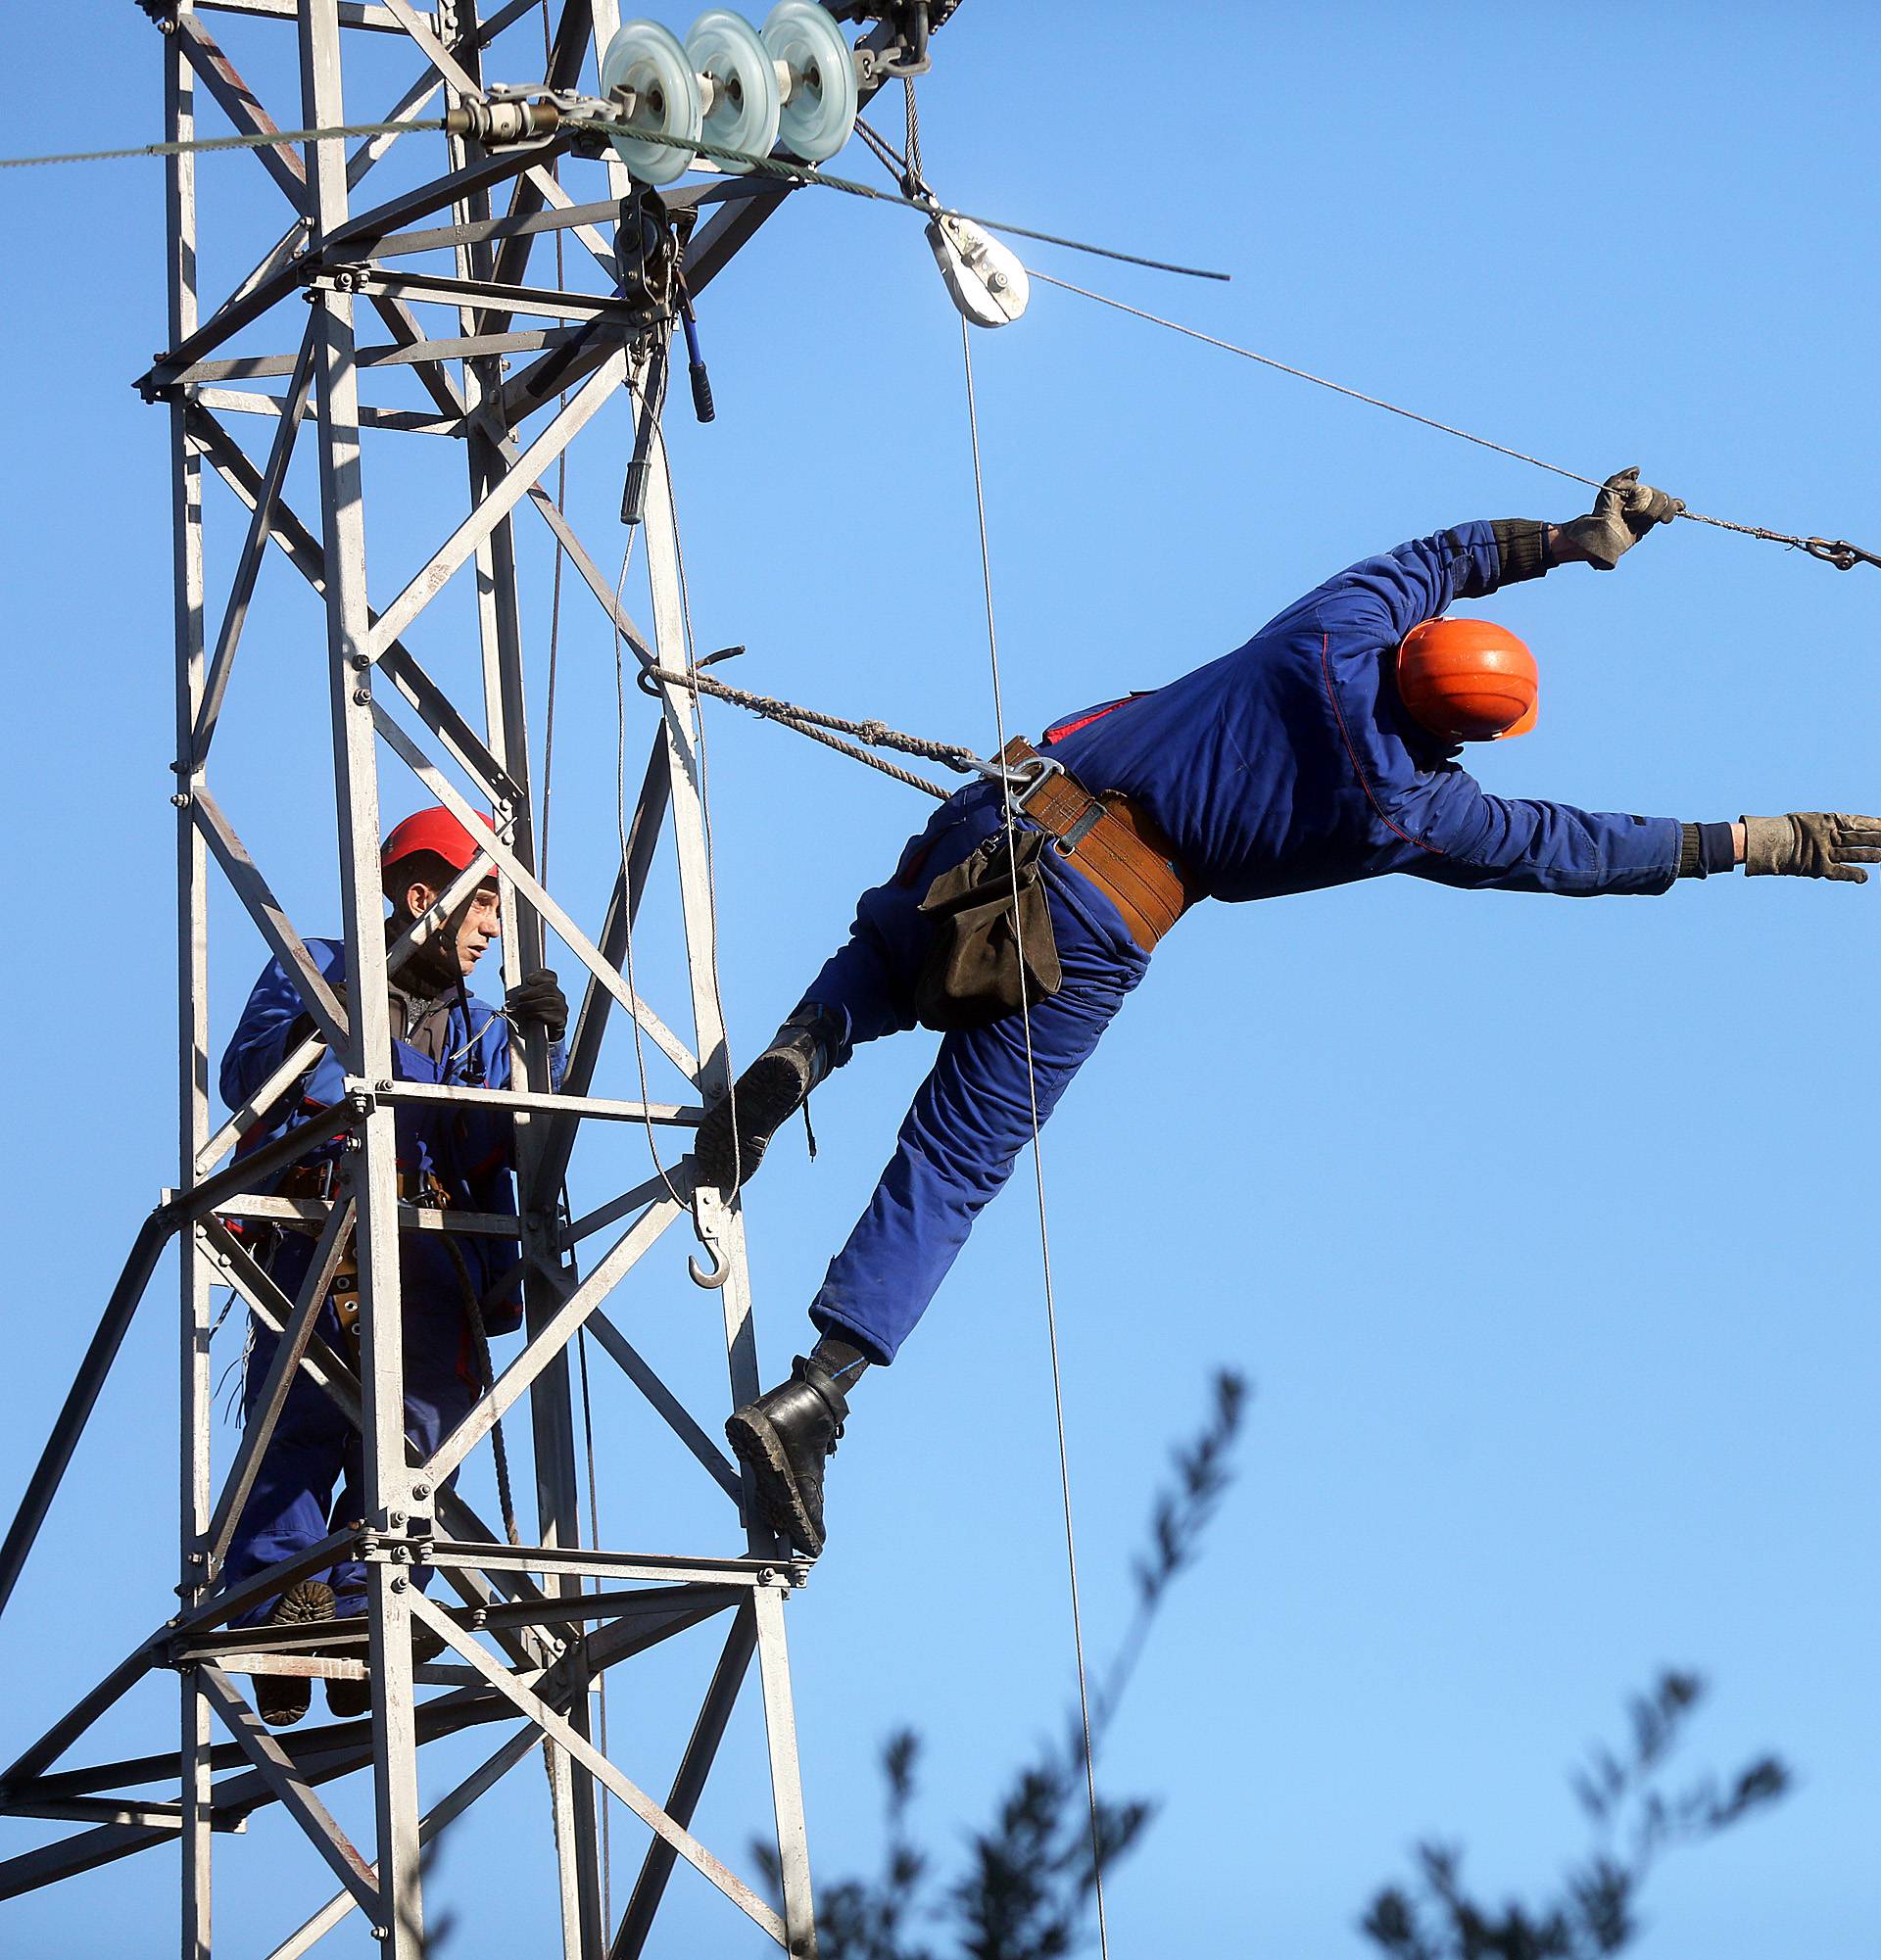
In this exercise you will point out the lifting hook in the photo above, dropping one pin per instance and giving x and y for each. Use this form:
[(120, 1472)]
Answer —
[(721, 1268)]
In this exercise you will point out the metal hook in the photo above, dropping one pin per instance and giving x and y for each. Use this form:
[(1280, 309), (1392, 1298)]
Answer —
[(721, 1268)]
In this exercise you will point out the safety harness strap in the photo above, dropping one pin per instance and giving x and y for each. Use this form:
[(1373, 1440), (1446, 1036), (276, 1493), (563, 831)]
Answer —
[(1111, 842)]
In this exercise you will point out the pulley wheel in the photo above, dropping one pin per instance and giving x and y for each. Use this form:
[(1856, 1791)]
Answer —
[(819, 114), (648, 59), (746, 103)]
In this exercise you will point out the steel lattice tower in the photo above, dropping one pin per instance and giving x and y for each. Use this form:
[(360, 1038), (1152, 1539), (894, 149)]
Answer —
[(588, 362)]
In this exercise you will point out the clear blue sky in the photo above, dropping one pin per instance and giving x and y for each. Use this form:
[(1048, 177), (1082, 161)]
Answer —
[(1543, 1228)]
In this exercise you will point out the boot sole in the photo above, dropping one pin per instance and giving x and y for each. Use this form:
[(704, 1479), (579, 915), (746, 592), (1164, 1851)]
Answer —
[(771, 1094), (755, 1442), (283, 1708)]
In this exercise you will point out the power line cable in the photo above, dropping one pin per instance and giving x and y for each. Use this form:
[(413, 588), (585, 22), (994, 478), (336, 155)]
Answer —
[(332, 132), (777, 168), (1835, 551)]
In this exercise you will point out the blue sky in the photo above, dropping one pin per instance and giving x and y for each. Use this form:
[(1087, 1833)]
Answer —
[(1542, 1227)]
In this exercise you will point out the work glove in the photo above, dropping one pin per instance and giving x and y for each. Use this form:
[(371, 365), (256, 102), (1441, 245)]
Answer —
[(1623, 512), (537, 998), (1811, 843)]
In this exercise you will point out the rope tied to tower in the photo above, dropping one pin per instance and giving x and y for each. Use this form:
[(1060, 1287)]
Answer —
[(828, 728)]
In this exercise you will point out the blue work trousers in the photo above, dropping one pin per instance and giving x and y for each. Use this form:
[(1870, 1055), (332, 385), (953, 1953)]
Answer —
[(316, 1450), (973, 1114)]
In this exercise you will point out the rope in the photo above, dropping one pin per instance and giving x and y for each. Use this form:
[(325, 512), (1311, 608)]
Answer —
[(877, 733), (1039, 1165), (1836, 552)]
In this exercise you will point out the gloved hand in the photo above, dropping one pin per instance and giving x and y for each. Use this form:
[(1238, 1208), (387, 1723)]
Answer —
[(536, 997), (1811, 843), (1623, 512)]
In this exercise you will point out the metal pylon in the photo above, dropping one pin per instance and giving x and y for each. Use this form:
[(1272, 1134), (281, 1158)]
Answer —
[(525, 1638)]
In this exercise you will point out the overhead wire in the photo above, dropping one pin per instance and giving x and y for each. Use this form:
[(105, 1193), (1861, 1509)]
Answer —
[(779, 168)]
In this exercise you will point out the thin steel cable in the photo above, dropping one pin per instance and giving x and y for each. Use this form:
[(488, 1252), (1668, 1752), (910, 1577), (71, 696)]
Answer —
[(1446, 428), (594, 1534), (1037, 1161), (333, 132), (542, 869), (788, 171), (771, 166), (914, 181)]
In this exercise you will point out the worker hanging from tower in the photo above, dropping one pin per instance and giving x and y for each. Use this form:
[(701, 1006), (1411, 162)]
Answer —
[(1322, 752)]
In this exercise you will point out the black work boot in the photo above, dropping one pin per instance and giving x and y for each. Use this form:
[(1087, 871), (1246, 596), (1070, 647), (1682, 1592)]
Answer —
[(784, 1437), (772, 1089), (349, 1700), (281, 1700)]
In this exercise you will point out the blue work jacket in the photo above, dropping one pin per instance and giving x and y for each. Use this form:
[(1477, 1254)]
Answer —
[(468, 1150), (1290, 764)]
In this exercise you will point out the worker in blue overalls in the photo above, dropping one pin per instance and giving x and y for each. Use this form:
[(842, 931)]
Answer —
[(451, 1288), (1322, 752)]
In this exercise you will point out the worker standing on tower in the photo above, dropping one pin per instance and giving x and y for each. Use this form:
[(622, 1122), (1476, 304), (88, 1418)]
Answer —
[(1322, 752), (450, 1156)]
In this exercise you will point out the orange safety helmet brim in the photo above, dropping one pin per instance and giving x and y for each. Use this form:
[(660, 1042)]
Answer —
[(1468, 680), (437, 831)]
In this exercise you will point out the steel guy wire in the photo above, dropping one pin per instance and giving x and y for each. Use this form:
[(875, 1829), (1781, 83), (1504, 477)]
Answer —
[(1038, 1158), (1836, 552)]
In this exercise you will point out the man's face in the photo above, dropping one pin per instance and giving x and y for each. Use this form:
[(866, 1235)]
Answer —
[(477, 926)]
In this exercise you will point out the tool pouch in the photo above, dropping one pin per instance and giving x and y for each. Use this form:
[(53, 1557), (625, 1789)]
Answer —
[(975, 961)]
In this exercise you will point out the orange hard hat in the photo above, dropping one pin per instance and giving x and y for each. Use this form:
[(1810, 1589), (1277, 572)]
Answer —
[(1468, 680), (435, 831)]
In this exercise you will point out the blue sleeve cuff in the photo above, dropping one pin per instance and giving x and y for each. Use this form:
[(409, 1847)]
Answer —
[(1705, 848)]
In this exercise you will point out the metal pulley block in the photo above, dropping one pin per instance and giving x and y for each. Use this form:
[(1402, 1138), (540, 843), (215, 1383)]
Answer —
[(988, 283)]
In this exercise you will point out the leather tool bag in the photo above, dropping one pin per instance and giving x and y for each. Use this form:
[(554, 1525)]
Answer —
[(972, 971)]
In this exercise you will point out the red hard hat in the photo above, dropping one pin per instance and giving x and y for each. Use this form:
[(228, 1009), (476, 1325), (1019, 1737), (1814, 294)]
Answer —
[(435, 831), (1468, 680)]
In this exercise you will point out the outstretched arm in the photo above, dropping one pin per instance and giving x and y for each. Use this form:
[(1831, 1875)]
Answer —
[(1458, 834), (1378, 600)]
